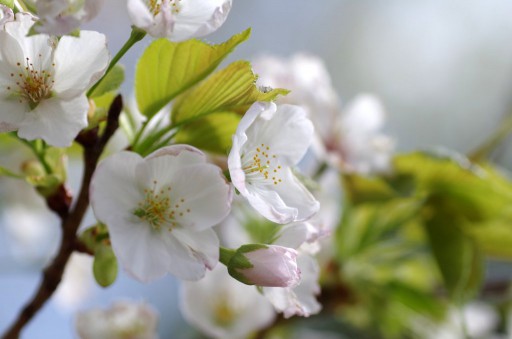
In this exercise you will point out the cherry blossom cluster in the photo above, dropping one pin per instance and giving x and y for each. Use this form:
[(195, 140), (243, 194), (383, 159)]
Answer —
[(174, 211)]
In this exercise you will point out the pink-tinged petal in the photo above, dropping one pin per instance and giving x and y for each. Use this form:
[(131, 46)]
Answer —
[(204, 245), (56, 121), (186, 262), (20, 26), (202, 195), (197, 18), (79, 63), (299, 300), (114, 192), (139, 14), (273, 266)]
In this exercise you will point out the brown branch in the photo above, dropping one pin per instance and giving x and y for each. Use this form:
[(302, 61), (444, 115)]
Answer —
[(93, 147)]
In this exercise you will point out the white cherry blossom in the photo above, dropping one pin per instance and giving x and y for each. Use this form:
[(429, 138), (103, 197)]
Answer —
[(358, 143), (222, 307), (178, 20), (43, 81), (123, 320), (159, 211), (270, 140), (60, 17)]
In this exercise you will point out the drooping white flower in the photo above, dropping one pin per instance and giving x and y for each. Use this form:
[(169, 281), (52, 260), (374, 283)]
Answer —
[(43, 81), (270, 140), (6, 15), (265, 265), (123, 320), (60, 17), (301, 299), (159, 211), (358, 143), (222, 307), (178, 20)]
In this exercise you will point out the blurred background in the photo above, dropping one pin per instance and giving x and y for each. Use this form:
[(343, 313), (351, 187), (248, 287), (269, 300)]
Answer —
[(443, 71)]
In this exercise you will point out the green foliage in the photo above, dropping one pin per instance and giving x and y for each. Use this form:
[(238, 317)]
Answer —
[(105, 268), (215, 107), (111, 82), (457, 256), (8, 3), (232, 89), (167, 69), (212, 133)]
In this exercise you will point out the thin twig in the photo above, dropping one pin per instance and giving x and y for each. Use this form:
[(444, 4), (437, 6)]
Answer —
[(52, 275)]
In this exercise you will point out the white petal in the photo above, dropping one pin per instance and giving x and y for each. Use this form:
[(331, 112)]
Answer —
[(204, 245), (293, 235), (203, 195), (363, 114), (56, 121), (114, 191), (286, 130), (143, 252), (163, 25), (197, 18), (12, 114), (139, 14), (201, 301), (80, 62), (270, 205), (294, 194)]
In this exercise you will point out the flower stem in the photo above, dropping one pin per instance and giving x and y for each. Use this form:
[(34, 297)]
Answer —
[(135, 36), (485, 149), (52, 275)]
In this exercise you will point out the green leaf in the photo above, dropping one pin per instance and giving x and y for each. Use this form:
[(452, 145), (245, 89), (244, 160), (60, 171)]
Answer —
[(8, 3), (212, 133), (361, 189), (493, 237), (105, 266), (167, 69), (111, 82), (467, 189), (232, 89), (457, 256)]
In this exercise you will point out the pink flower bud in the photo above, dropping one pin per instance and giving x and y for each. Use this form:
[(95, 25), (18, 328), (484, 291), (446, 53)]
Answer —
[(265, 265)]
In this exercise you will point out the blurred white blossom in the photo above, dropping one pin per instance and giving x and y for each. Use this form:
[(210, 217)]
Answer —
[(77, 282), (222, 307), (123, 320), (60, 17)]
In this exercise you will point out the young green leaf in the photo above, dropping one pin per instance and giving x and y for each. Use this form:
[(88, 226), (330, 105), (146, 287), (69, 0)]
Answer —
[(231, 89), (211, 133), (167, 69), (110, 83), (457, 256)]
